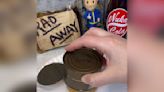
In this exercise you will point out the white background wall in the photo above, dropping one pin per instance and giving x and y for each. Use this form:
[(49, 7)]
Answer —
[(44, 5)]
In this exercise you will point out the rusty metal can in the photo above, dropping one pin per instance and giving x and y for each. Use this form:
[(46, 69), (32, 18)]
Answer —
[(79, 63)]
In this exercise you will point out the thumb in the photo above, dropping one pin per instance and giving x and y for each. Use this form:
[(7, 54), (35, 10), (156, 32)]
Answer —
[(99, 79)]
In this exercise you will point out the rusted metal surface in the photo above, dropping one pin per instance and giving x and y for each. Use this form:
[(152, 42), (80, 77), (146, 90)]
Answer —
[(78, 63)]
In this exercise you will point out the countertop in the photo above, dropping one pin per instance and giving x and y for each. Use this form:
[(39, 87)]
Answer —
[(56, 56)]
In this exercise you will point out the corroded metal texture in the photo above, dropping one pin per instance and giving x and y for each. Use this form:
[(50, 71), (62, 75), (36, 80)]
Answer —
[(78, 63)]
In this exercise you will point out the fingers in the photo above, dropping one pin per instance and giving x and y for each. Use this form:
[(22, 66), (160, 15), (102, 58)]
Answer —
[(86, 41), (98, 32), (91, 39), (99, 79)]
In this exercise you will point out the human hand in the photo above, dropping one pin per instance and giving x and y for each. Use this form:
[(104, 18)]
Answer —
[(113, 48)]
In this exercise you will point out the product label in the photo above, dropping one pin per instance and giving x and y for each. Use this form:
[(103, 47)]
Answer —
[(117, 21), (57, 30)]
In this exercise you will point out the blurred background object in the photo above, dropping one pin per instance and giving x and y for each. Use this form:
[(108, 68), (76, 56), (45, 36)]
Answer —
[(25, 87), (146, 45), (53, 5), (17, 43), (147, 14), (17, 29), (15, 74)]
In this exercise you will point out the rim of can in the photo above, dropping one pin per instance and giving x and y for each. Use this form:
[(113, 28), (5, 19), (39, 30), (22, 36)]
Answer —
[(83, 60)]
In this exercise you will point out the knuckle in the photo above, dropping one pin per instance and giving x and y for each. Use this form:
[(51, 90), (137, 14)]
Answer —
[(90, 31), (112, 40)]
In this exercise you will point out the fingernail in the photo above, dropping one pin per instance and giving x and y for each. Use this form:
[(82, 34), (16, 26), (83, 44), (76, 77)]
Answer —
[(86, 79)]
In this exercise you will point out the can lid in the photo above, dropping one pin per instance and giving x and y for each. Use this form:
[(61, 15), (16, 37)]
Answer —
[(83, 60), (51, 74)]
